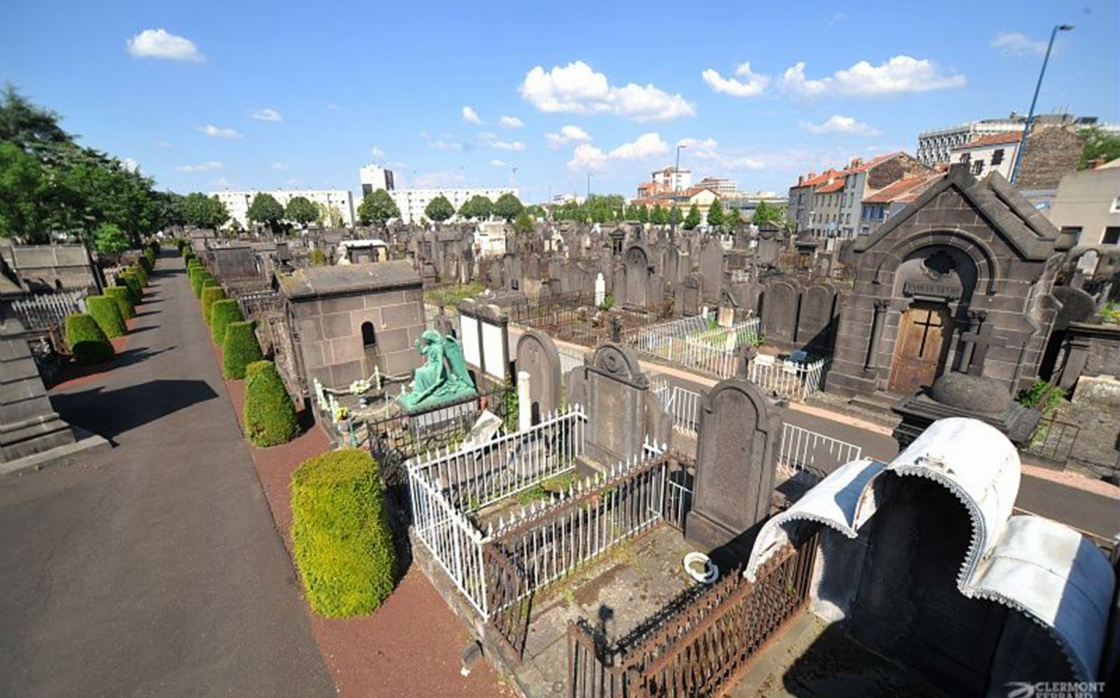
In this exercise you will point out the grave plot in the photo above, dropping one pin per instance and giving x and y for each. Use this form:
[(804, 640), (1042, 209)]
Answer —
[(697, 343), (574, 317)]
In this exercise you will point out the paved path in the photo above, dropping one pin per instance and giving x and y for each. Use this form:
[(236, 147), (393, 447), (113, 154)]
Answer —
[(153, 569)]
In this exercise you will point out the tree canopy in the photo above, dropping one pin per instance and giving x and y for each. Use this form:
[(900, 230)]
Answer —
[(266, 210), (109, 240), (301, 211), (1099, 145), (508, 207), (523, 224), (765, 213), (693, 218), (204, 211), (377, 208), (659, 216), (675, 216), (716, 216), (439, 209), (478, 207)]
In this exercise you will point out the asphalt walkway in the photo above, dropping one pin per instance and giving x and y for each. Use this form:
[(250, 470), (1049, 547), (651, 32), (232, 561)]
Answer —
[(153, 569)]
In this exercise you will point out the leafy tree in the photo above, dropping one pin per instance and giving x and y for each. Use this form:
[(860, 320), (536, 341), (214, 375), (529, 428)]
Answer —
[(378, 208), (23, 189), (439, 209), (659, 216), (675, 216), (1099, 144), (204, 211), (477, 207), (537, 212), (523, 224), (604, 208), (641, 213), (766, 213), (693, 218), (732, 218), (716, 216), (508, 207), (109, 240), (266, 210), (301, 211)]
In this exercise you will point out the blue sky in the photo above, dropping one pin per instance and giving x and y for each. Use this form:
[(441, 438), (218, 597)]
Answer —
[(276, 95)]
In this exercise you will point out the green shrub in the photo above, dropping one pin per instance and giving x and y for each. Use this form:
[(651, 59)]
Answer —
[(240, 349), (185, 249), (194, 273), (1042, 395), (150, 253), (204, 281), (129, 279), (88, 344), (123, 296), (145, 263), (343, 543), (107, 314), (270, 418), (209, 295), (140, 272), (222, 313)]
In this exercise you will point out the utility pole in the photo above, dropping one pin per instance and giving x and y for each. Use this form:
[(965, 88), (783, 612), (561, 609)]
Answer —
[(1030, 115), (677, 169)]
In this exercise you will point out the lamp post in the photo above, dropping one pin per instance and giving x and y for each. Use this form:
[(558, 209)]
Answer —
[(677, 169), (1030, 115)]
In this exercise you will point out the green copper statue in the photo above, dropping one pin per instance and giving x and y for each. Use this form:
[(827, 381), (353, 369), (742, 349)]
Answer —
[(443, 378)]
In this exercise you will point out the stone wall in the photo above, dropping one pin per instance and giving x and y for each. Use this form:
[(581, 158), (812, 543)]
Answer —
[(1051, 153)]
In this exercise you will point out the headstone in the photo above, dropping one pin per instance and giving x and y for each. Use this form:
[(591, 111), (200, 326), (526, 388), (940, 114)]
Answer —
[(600, 290), (485, 428), (736, 458), (816, 321), (692, 294), (636, 265), (537, 356), (617, 393), (711, 270), (779, 311)]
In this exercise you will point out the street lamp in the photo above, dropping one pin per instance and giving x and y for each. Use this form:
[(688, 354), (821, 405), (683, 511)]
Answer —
[(1030, 115), (677, 169)]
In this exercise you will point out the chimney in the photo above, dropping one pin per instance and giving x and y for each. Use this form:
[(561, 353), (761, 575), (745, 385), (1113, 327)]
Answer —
[(800, 180)]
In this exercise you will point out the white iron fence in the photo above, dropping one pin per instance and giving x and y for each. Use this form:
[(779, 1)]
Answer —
[(696, 343), (810, 455), (49, 310), (681, 404), (788, 379)]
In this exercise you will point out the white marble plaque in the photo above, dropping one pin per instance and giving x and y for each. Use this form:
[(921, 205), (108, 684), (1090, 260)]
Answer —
[(468, 329), (493, 352)]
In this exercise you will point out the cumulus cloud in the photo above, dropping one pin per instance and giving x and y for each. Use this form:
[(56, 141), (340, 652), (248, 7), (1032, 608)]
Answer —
[(444, 144), (471, 116), (567, 134), (577, 89), (159, 43), (505, 145), (215, 132), (130, 165), (588, 157), (841, 124), (377, 152), (265, 114), (746, 83), (898, 75), (510, 122), (279, 166), (209, 166), (1017, 44)]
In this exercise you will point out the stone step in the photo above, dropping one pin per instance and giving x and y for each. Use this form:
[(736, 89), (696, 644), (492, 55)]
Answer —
[(877, 402)]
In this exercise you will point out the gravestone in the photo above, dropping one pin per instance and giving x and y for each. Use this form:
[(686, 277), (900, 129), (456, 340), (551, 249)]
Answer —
[(815, 322), (537, 356), (736, 457), (620, 409), (779, 311), (600, 290), (636, 264), (711, 269), (692, 294)]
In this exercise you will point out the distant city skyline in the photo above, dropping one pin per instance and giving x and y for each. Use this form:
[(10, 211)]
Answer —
[(303, 100)]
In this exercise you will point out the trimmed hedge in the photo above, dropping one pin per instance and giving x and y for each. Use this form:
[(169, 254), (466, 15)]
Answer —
[(270, 418), (88, 344), (107, 314), (209, 295), (141, 273), (123, 296), (240, 349), (343, 544), (144, 263), (222, 313), (204, 280), (133, 283)]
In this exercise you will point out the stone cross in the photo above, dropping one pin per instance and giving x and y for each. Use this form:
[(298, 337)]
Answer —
[(977, 341)]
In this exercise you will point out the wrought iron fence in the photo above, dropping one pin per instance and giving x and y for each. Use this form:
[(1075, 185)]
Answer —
[(789, 379), (682, 404), (701, 648), (47, 311), (696, 343), (810, 455), (574, 317)]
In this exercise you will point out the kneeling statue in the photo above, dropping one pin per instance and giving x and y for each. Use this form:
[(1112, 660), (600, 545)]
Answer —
[(443, 378)]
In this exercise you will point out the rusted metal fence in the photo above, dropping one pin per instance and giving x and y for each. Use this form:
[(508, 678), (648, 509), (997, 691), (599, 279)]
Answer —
[(573, 317), (702, 648)]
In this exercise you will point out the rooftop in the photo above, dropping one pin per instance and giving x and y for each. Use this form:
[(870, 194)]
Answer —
[(994, 139), (351, 278), (904, 190)]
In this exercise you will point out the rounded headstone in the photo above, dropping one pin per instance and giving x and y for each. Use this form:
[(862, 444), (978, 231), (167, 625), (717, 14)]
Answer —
[(1077, 306), (973, 393)]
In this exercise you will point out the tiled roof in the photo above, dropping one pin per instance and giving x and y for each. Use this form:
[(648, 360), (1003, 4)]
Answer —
[(994, 139), (837, 185), (863, 167), (904, 190)]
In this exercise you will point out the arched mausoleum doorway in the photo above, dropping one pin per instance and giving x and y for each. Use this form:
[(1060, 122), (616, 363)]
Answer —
[(923, 342)]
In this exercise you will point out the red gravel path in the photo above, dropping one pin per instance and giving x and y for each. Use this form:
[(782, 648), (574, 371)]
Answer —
[(411, 645)]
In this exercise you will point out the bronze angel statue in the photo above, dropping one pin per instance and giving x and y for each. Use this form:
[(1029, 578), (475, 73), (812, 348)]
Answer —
[(443, 378)]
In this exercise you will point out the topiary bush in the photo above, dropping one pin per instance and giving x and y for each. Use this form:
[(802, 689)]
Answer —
[(270, 418), (141, 273), (222, 313), (240, 349), (205, 281), (129, 279), (194, 274), (144, 263), (123, 296), (88, 344), (210, 294), (107, 314), (343, 543)]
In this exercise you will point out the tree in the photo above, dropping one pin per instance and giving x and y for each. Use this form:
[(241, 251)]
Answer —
[(266, 210), (523, 224), (301, 211), (641, 214), (537, 212), (732, 218), (477, 207), (1099, 145), (378, 208), (204, 211), (439, 209), (659, 216), (675, 216), (109, 240), (23, 188), (715, 214), (508, 207), (765, 213), (693, 218)]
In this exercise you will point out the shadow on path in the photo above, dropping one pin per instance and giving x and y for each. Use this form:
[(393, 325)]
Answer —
[(114, 412)]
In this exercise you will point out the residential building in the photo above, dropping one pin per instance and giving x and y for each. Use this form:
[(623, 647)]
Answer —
[(826, 216), (412, 202), (672, 179), (801, 198), (702, 197), (936, 146), (339, 202), (1088, 205), (877, 208), (724, 187), (747, 202), (374, 177), (994, 153)]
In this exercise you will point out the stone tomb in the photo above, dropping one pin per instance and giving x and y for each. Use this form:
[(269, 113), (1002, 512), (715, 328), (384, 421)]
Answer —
[(736, 458), (538, 357)]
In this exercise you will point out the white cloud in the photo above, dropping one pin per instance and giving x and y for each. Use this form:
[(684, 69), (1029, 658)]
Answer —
[(510, 122), (697, 143), (209, 166), (279, 166), (436, 180), (750, 84), (333, 107), (221, 182), (841, 124), (159, 43), (443, 144), (498, 163), (486, 136), (215, 132), (577, 89), (567, 134), (588, 157), (266, 114), (471, 116), (506, 145), (377, 152), (1018, 44), (130, 164), (898, 75)]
